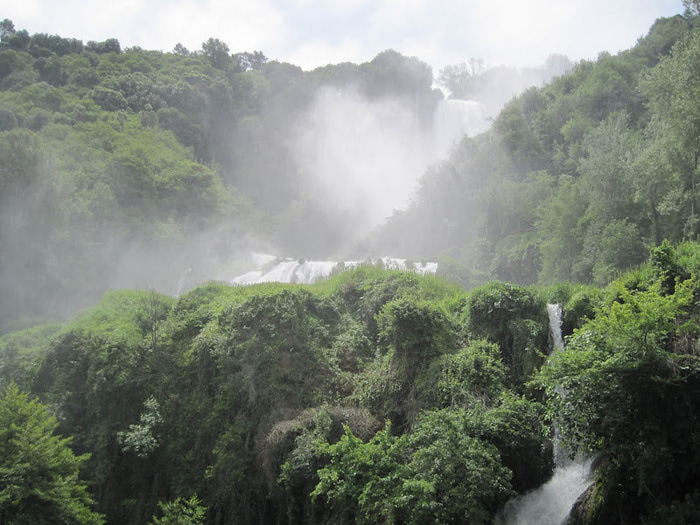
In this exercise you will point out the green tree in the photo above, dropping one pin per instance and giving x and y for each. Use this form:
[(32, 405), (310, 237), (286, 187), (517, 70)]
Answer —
[(361, 483), (440, 473), (605, 169), (626, 389), (7, 29), (514, 318), (674, 92), (562, 226), (453, 477), (457, 78), (39, 481), (217, 52), (181, 512), (474, 374), (692, 7)]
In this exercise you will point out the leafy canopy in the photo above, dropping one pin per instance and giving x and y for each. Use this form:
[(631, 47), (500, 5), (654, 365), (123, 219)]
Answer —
[(39, 481)]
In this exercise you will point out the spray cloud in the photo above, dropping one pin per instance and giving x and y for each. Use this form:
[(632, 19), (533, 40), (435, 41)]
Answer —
[(360, 158)]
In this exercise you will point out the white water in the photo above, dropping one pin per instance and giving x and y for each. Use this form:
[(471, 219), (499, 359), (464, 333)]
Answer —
[(453, 119), (181, 281), (555, 313), (270, 269), (551, 503)]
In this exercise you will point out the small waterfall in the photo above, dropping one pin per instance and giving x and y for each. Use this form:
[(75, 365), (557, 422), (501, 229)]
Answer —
[(181, 281), (551, 503), (555, 313)]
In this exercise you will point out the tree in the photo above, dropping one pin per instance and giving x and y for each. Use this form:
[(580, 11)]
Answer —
[(247, 61), (692, 7), (7, 29), (111, 45), (457, 78), (217, 52), (38, 471), (437, 474), (362, 481), (674, 93), (181, 512), (453, 477), (512, 317), (626, 389)]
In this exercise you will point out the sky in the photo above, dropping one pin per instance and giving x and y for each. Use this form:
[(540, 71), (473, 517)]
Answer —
[(313, 33)]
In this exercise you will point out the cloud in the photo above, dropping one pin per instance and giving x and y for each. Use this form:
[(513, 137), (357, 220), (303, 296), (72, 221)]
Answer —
[(243, 25), (310, 55), (314, 33)]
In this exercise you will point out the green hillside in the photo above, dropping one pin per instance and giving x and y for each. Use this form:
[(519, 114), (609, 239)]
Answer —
[(375, 396)]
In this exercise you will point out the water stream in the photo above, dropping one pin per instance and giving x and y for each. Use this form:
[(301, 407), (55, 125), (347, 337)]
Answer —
[(551, 503)]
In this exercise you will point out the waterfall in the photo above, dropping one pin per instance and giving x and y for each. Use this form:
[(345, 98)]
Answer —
[(270, 269), (555, 313), (453, 119), (551, 503)]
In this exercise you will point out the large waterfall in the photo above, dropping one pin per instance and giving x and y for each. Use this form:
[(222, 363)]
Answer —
[(363, 160), (551, 503), (273, 269)]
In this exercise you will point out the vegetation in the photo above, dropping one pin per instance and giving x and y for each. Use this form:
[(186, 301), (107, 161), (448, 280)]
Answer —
[(375, 396), (121, 163), (286, 402), (38, 469), (576, 180), (125, 166), (627, 390)]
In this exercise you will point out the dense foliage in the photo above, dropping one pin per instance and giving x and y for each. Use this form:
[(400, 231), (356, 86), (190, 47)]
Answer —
[(376, 396), (38, 470), (126, 167), (577, 179), (627, 390), (285, 402)]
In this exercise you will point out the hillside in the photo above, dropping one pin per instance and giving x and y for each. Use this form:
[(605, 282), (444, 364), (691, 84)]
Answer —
[(576, 179), (127, 167), (131, 168), (374, 396), (377, 396)]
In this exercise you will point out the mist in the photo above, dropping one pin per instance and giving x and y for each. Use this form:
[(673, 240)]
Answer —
[(309, 167), (360, 159)]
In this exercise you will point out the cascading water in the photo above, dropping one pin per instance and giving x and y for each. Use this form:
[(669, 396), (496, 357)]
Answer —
[(555, 312), (455, 118), (307, 272), (551, 503)]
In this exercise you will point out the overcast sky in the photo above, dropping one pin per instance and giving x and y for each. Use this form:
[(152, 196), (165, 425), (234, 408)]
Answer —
[(312, 33)]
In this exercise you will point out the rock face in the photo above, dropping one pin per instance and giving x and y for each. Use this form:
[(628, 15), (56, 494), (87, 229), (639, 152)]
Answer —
[(591, 509), (580, 511)]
